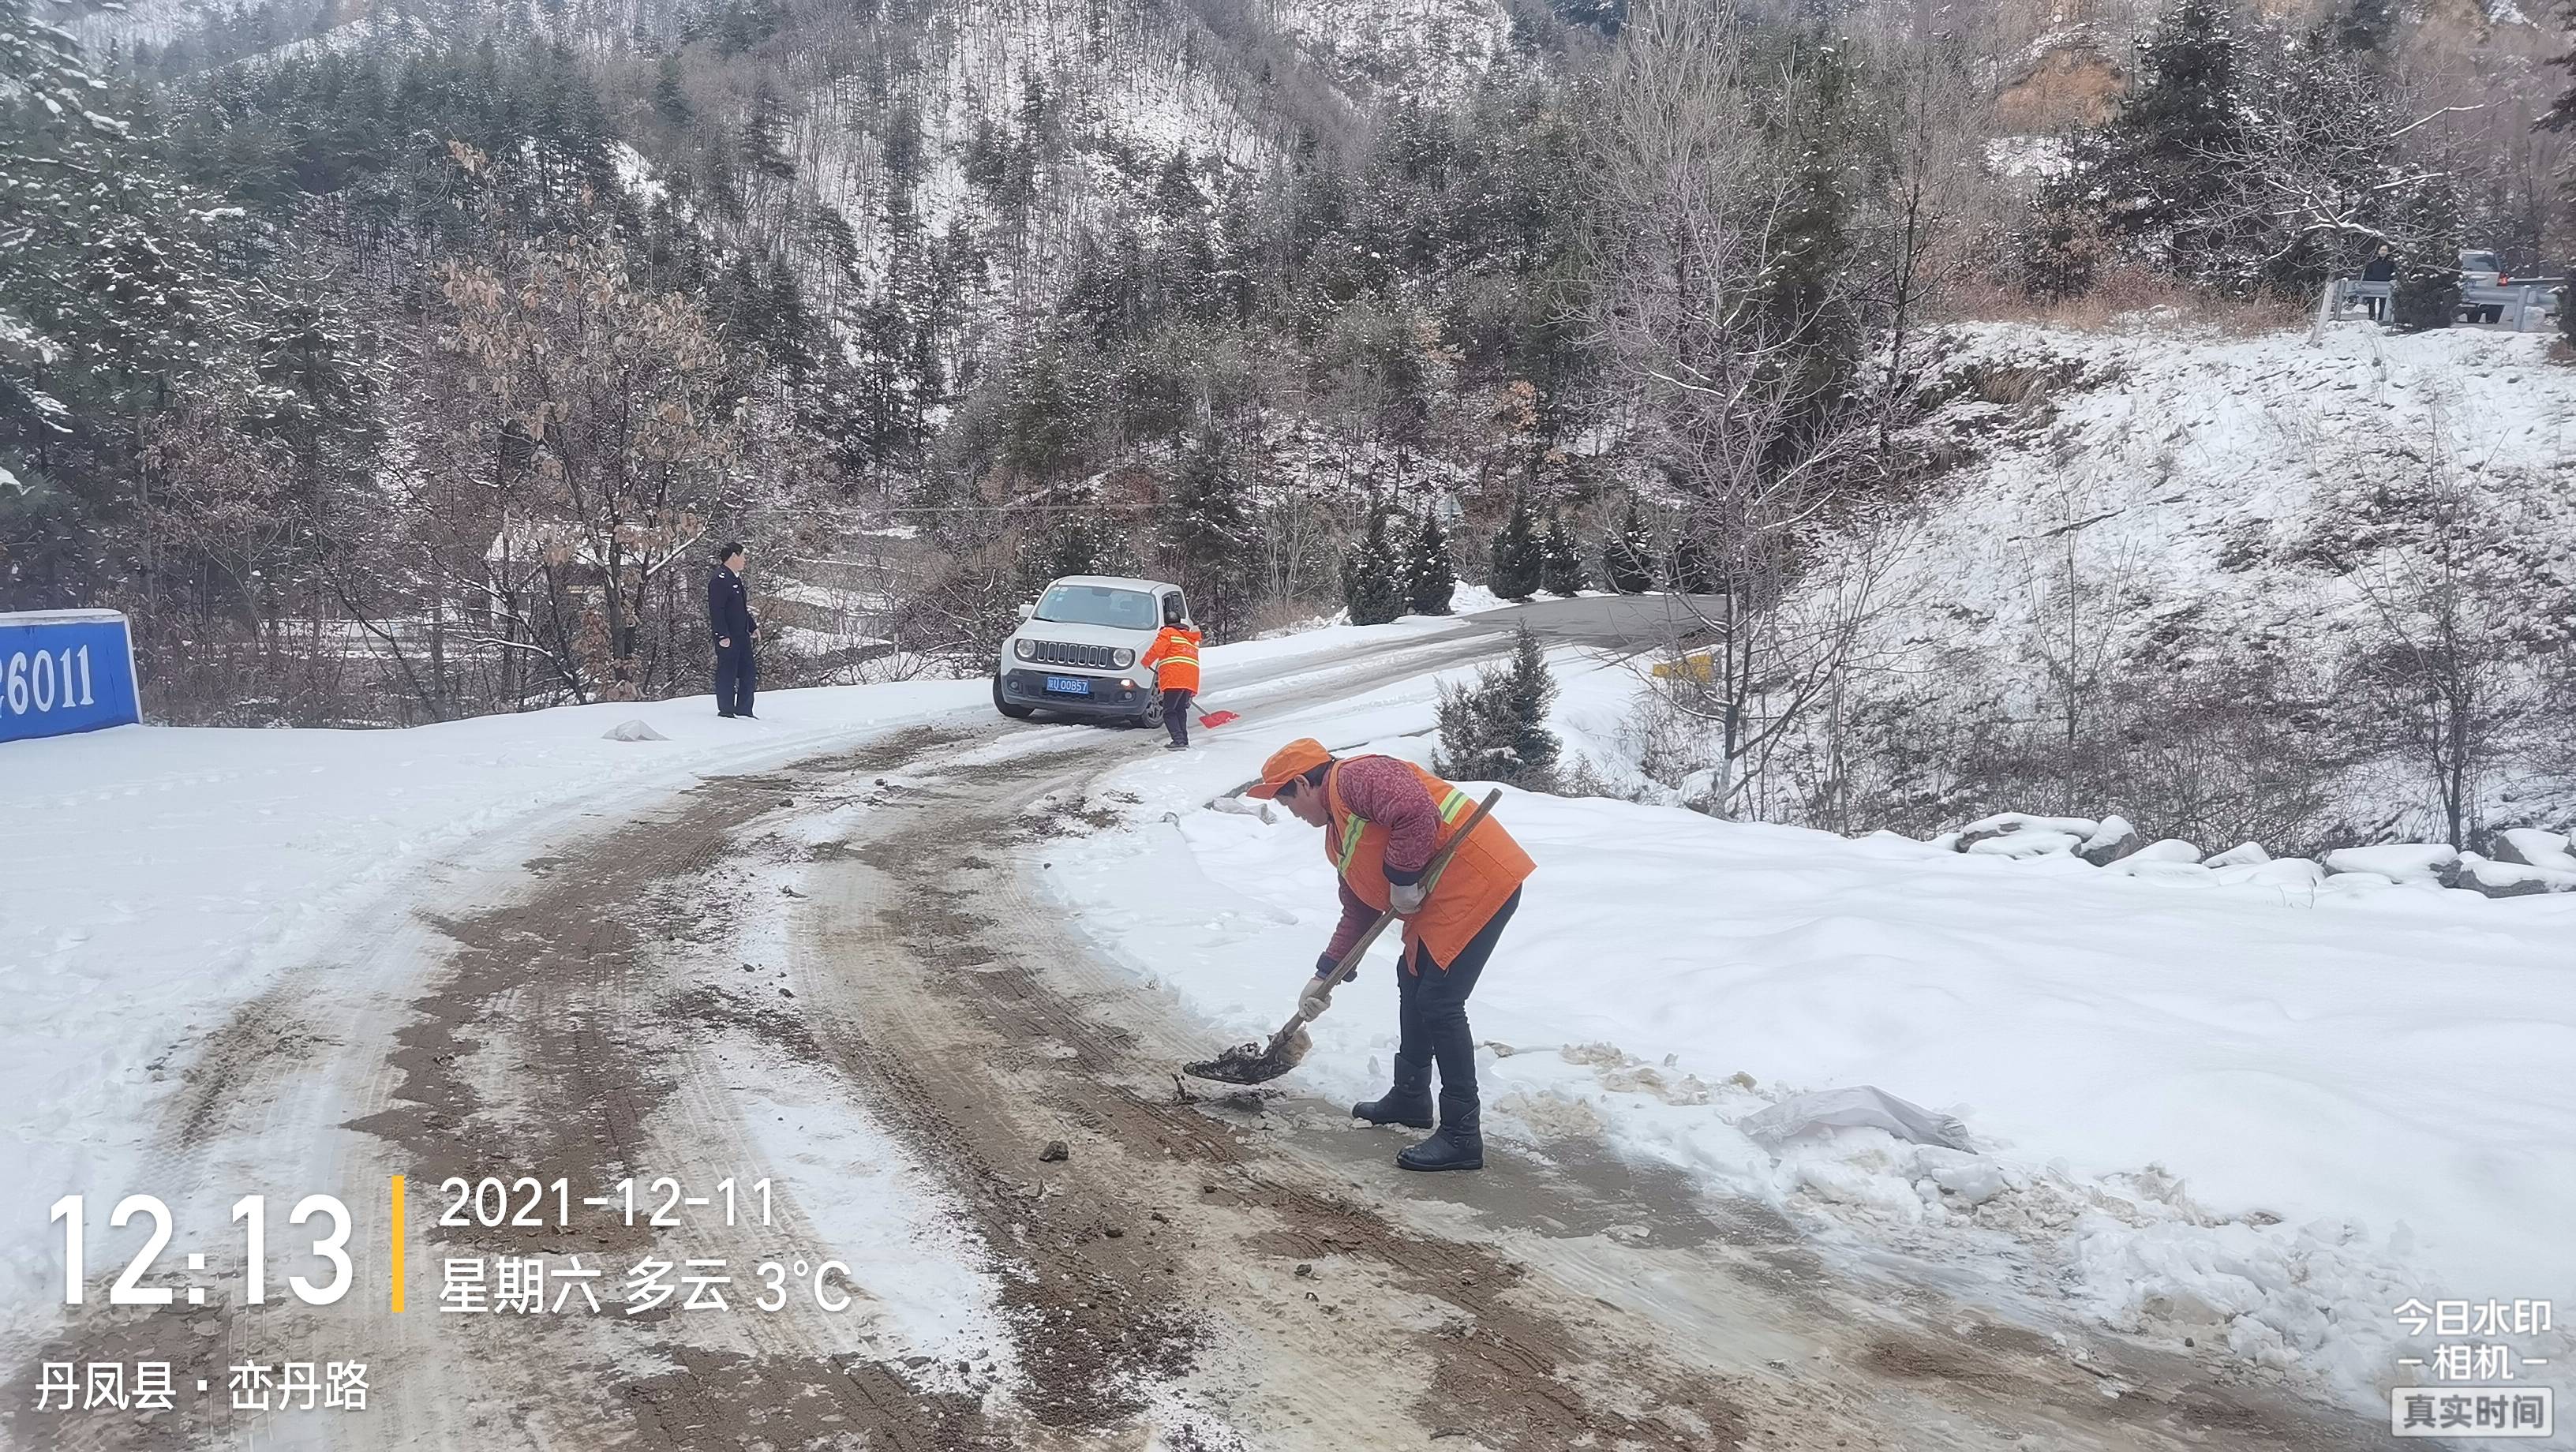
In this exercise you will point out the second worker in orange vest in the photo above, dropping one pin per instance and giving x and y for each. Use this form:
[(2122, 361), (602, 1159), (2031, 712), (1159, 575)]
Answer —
[(1383, 819), (1174, 660)]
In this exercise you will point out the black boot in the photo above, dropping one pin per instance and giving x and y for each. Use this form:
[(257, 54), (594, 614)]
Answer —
[(1408, 1103), (1456, 1146)]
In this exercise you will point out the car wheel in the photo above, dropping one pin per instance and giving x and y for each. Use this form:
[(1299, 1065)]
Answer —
[(1002, 703), (1151, 718)]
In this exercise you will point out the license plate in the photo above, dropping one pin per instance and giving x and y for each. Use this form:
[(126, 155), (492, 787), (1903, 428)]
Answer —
[(1068, 686)]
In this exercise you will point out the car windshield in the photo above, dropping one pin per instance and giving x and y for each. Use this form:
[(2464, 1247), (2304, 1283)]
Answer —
[(1098, 605), (2480, 261)]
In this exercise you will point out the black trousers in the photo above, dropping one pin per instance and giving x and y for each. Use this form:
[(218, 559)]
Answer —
[(1431, 1007), (1176, 715), (736, 673)]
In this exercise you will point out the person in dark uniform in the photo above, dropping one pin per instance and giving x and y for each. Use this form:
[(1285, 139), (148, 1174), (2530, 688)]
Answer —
[(729, 619), (2382, 267)]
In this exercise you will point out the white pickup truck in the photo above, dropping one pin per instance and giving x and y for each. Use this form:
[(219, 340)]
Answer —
[(1076, 649)]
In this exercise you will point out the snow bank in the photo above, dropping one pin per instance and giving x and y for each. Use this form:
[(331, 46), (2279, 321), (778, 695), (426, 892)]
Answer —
[(2510, 879), (2538, 849), (1466, 599), (2252, 1115), (2028, 842), (2416, 862)]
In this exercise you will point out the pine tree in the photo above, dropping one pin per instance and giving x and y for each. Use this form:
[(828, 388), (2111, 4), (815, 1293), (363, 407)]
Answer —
[(2186, 110), (1517, 555), (1075, 544), (1496, 729), (1631, 555), (1430, 581), (1372, 585), (318, 400), (740, 301), (2561, 117), (1206, 530), (1184, 253), (1820, 133), (2143, 175), (1047, 414), (2428, 268), (112, 289), (670, 99), (791, 340), (764, 148), (1560, 570)]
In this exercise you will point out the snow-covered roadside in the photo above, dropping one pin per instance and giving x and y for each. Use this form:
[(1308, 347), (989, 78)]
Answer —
[(2198, 1110), (178, 872)]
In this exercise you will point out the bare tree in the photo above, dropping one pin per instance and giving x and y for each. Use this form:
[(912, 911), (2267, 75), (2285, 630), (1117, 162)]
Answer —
[(602, 404), (1743, 389), (2075, 642), (1941, 110), (2440, 662)]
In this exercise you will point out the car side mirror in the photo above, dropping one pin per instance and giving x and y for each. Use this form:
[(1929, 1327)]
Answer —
[(1027, 610)]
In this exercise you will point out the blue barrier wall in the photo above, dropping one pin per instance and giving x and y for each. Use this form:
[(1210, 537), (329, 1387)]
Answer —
[(63, 671)]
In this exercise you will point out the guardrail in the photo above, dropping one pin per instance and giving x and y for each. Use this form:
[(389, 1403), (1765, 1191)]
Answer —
[(2518, 308)]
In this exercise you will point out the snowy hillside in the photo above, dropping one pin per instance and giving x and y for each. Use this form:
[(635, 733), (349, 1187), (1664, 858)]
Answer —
[(2174, 501), (1125, 87), (1410, 48)]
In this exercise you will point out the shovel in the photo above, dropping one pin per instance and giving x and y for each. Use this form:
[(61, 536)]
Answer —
[(1254, 1063), (1218, 718)]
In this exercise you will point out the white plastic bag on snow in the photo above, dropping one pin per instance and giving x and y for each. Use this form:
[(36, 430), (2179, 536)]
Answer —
[(1859, 1106)]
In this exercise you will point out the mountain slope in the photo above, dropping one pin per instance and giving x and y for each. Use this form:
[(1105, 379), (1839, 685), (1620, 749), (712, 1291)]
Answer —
[(2153, 506)]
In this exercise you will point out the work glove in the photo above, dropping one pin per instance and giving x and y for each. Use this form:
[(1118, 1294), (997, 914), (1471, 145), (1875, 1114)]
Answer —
[(1317, 997), (1406, 897)]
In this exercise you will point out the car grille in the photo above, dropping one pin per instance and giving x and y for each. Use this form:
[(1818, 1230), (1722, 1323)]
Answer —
[(1057, 652)]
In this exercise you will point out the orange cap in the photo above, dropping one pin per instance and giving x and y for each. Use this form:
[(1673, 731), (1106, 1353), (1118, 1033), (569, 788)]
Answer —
[(1288, 763)]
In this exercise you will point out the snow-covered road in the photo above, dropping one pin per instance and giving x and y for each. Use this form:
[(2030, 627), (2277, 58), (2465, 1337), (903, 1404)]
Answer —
[(878, 949)]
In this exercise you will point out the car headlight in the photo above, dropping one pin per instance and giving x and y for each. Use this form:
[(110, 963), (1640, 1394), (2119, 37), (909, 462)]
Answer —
[(1024, 650), (1125, 658)]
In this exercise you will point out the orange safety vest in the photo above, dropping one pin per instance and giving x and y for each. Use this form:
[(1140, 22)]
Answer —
[(1486, 871), (1176, 652)]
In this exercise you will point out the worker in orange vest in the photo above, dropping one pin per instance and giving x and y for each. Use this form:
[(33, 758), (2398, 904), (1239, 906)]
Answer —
[(1383, 819), (1174, 660)]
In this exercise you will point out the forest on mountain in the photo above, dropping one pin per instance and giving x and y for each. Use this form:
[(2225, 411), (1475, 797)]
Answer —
[(401, 361)]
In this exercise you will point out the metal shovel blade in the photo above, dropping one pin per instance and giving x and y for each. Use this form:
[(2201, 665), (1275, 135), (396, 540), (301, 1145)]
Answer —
[(1259, 1064), (1253, 1063)]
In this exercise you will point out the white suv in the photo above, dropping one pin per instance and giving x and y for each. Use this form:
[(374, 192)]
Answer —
[(1076, 649)]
